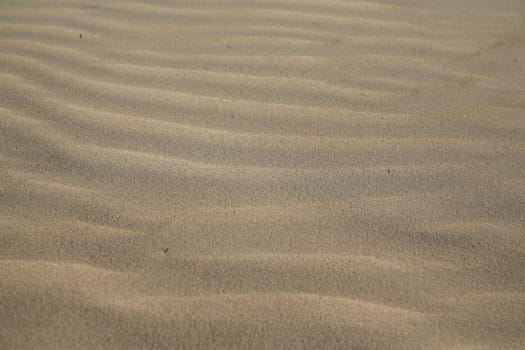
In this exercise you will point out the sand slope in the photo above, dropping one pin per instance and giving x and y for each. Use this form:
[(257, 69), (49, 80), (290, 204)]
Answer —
[(273, 174)]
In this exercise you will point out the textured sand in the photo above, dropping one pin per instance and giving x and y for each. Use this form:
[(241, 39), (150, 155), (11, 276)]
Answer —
[(273, 174)]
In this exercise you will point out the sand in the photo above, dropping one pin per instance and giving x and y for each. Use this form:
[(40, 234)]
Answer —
[(262, 174)]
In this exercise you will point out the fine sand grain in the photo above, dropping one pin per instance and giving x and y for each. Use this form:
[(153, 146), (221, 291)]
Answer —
[(262, 174)]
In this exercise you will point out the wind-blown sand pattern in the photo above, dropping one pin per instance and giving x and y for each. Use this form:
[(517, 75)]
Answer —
[(262, 174)]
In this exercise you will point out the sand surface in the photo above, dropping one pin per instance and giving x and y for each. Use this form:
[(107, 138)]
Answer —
[(262, 174)]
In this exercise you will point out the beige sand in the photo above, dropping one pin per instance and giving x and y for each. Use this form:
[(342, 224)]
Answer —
[(262, 174)]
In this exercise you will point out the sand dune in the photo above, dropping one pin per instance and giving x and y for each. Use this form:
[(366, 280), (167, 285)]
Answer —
[(262, 174)]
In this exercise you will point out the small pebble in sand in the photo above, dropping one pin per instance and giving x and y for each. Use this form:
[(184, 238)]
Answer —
[(165, 250), (80, 36)]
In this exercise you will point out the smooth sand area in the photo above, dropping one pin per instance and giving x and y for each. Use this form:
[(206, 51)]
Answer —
[(320, 174)]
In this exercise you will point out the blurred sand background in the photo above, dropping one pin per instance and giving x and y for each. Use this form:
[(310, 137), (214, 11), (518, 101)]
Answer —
[(262, 174)]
